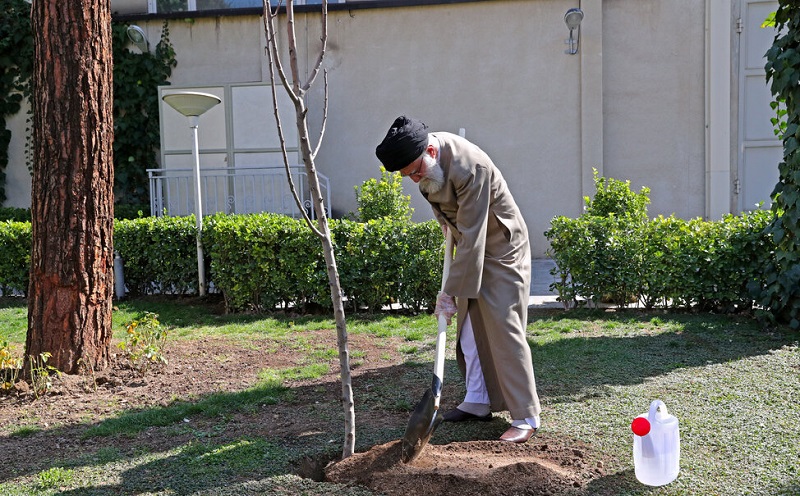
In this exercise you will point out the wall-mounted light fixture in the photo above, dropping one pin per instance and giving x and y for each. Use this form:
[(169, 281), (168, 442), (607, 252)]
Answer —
[(136, 35), (573, 19)]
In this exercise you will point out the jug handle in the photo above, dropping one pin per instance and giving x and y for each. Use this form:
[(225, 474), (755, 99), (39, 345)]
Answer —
[(654, 406)]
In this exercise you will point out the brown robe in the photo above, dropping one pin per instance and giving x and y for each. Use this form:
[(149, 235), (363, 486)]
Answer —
[(491, 273)]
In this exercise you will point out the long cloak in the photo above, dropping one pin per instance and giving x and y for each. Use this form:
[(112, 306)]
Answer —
[(490, 274)]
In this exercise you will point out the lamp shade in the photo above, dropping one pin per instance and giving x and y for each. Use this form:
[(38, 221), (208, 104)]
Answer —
[(573, 18), (191, 103)]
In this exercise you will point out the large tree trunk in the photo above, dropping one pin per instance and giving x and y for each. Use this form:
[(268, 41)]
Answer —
[(71, 283)]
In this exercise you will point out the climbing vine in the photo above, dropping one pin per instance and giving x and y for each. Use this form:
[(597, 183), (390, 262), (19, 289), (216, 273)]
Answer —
[(16, 66), (136, 129), (136, 80), (779, 292)]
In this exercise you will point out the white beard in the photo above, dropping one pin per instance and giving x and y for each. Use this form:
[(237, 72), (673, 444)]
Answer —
[(434, 176)]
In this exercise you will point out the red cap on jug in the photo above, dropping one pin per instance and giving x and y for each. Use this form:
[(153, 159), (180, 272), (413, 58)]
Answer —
[(640, 426)]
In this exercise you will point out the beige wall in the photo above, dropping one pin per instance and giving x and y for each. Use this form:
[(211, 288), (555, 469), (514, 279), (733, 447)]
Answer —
[(497, 70), (631, 103), (18, 177), (653, 91)]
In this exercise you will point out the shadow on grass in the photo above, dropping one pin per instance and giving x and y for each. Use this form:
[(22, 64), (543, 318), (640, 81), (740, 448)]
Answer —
[(233, 437), (182, 311), (580, 363), (224, 438)]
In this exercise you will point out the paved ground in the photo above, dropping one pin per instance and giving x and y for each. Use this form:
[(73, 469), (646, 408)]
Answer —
[(541, 296)]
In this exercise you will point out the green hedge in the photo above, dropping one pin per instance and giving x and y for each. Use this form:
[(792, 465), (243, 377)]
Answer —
[(660, 262), (260, 261), (389, 261), (264, 261), (267, 260), (120, 212), (15, 247), (614, 254), (159, 254), (15, 214)]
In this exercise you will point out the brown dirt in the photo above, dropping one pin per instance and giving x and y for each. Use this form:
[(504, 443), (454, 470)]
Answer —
[(464, 462)]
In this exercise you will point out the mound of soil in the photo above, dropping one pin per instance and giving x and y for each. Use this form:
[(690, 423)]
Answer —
[(471, 468)]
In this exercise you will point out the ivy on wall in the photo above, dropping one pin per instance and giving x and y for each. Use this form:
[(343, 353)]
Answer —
[(16, 65), (780, 289), (136, 129), (136, 80)]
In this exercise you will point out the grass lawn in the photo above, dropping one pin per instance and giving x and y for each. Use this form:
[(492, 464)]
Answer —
[(733, 385)]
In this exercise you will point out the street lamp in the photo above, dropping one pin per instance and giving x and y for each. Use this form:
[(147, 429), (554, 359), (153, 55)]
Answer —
[(193, 104)]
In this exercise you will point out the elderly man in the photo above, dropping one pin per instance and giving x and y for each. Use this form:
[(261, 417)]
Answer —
[(490, 275)]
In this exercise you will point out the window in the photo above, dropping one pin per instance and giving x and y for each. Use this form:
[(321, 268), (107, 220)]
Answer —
[(163, 6)]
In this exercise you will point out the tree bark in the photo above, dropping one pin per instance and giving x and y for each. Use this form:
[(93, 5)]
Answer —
[(72, 204)]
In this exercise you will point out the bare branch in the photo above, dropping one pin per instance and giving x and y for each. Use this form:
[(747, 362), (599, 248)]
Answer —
[(324, 39), (291, 37), (272, 56), (324, 115), (272, 48)]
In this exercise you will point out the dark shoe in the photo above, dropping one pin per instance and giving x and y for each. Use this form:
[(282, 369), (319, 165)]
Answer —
[(517, 435), (456, 415)]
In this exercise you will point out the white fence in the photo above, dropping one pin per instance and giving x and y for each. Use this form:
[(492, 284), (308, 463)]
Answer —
[(241, 190)]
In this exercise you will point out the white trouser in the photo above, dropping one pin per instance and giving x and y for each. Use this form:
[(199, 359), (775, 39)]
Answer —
[(476, 401), (476, 386)]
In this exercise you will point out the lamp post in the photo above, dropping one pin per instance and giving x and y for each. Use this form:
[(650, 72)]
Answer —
[(193, 104)]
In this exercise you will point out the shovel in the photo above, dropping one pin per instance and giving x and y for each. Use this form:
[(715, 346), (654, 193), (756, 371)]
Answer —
[(425, 418)]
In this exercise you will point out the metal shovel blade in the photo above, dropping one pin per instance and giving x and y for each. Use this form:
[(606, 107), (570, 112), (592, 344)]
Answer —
[(425, 418), (423, 422)]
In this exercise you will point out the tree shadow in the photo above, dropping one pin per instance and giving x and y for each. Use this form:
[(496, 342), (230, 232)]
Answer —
[(229, 437), (221, 438)]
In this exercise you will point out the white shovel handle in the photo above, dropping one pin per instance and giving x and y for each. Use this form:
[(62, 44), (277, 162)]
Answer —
[(441, 337)]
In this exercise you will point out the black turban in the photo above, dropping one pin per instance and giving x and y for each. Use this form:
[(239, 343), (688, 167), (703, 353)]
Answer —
[(404, 143)]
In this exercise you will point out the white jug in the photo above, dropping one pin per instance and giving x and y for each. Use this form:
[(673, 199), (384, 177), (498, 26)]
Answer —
[(657, 450)]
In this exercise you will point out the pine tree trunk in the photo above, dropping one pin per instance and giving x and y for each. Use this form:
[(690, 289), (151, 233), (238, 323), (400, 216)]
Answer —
[(72, 205)]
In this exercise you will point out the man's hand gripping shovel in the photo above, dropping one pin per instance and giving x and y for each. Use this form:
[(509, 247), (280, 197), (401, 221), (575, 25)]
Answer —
[(426, 418)]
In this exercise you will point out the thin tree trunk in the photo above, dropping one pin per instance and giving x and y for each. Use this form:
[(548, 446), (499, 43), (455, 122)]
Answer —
[(296, 92), (72, 205)]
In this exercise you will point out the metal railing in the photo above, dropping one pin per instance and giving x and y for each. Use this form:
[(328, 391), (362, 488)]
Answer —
[(241, 190)]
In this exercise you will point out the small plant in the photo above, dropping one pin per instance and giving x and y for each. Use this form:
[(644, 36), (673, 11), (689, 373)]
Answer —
[(383, 198), (55, 477), (145, 342), (10, 366), (25, 431), (614, 197), (41, 374)]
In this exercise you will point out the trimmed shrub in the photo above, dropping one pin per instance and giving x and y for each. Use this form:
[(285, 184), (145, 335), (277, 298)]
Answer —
[(421, 278), (383, 198), (259, 261), (15, 214), (159, 254), (621, 257), (372, 257), (15, 245)]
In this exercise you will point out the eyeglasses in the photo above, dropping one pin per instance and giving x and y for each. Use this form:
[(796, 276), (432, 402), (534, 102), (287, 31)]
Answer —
[(416, 171)]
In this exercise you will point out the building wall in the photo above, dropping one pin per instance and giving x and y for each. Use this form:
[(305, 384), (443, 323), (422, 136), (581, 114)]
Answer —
[(653, 94), (498, 70), (18, 177), (631, 104)]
